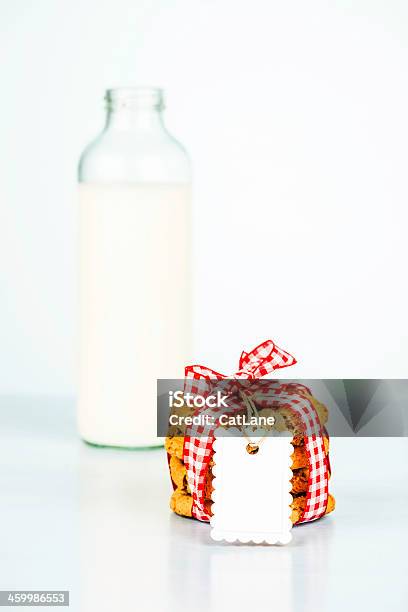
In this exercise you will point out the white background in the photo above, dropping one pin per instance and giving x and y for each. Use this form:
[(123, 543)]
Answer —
[(294, 114)]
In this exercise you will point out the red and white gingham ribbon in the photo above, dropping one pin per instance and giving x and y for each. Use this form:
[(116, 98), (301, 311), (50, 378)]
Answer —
[(260, 361)]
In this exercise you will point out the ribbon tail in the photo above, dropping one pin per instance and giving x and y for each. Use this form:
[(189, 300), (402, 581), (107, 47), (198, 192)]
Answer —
[(242, 360)]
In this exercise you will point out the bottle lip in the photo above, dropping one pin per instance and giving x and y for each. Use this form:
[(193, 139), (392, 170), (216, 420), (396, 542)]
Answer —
[(134, 98)]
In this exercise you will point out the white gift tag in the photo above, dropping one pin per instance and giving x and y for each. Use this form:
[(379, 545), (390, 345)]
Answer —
[(252, 491)]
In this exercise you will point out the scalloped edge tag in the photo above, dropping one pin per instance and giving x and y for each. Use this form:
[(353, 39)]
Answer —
[(251, 493)]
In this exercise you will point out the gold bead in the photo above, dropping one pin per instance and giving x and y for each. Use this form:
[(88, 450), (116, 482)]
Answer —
[(252, 449)]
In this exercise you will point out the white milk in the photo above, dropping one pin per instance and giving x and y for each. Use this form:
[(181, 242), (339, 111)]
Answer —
[(134, 306)]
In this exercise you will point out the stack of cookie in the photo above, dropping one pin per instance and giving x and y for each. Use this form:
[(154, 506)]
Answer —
[(181, 500)]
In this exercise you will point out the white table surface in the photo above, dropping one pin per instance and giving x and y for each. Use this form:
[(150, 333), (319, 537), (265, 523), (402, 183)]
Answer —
[(97, 522)]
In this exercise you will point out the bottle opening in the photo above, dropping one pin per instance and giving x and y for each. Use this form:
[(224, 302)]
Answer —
[(134, 98)]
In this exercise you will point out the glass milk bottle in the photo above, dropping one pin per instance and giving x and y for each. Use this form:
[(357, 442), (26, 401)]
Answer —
[(135, 200)]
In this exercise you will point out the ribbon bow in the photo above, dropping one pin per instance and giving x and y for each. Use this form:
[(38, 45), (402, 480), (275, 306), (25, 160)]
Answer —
[(262, 360)]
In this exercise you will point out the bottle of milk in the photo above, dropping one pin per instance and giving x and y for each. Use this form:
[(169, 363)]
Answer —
[(135, 205)]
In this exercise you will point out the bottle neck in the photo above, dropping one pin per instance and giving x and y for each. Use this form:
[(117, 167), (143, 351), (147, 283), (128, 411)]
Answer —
[(125, 119)]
